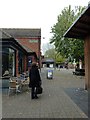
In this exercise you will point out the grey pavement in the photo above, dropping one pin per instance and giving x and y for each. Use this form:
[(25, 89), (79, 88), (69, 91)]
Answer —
[(63, 97)]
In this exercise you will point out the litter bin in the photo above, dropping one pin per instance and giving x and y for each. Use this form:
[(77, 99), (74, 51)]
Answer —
[(49, 74)]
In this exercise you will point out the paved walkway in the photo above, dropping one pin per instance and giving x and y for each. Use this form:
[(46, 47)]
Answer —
[(63, 97)]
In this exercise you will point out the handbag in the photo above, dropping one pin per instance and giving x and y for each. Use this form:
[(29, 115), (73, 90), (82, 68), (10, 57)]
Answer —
[(39, 90)]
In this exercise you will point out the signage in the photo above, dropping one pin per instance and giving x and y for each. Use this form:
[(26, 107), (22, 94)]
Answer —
[(33, 41)]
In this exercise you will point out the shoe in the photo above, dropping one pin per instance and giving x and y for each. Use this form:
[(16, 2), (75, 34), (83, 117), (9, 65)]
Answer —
[(36, 97), (32, 97)]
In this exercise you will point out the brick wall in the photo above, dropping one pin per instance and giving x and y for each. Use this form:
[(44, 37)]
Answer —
[(25, 63), (32, 43)]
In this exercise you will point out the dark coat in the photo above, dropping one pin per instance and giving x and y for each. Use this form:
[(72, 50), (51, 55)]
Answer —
[(34, 76)]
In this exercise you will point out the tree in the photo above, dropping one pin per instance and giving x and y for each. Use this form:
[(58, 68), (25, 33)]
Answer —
[(51, 53), (47, 46), (67, 46)]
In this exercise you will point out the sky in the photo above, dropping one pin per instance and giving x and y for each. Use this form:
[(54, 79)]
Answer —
[(34, 14)]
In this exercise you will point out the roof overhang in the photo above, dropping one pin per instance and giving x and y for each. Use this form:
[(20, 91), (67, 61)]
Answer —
[(23, 32), (11, 42), (80, 29), (8, 39)]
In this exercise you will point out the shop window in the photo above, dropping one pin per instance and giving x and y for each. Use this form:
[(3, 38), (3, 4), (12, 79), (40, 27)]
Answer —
[(12, 61), (29, 61), (8, 61), (5, 59)]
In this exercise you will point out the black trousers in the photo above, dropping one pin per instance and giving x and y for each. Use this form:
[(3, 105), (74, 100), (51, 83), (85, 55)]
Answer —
[(33, 92)]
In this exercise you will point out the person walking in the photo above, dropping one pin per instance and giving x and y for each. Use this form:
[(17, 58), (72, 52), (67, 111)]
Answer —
[(35, 80)]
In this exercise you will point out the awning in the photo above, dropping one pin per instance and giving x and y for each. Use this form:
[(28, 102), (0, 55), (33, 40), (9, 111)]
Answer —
[(80, 29)]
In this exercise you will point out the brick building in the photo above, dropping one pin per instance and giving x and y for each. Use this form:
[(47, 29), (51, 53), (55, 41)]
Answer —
[(24, 47), (29, 38)]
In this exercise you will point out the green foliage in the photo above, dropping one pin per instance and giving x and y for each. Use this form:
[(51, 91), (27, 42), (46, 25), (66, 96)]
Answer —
[(59, 58), (67, 46), (51, 53)]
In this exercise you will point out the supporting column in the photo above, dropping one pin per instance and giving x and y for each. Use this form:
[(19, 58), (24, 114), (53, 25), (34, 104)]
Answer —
[(16, 63), (87, 62), (25, 63)]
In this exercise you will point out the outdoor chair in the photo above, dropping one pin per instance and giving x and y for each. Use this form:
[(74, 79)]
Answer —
[(13, 87), (24, 85)]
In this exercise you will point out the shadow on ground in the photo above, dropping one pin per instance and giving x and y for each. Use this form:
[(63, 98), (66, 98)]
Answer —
[(80, 98)]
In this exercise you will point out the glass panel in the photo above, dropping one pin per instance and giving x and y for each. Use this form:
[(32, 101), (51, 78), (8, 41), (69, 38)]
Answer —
[(11, 62), (5, 59), (8, 61)]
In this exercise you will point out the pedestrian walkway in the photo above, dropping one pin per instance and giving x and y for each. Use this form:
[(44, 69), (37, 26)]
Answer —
[(63, 97)]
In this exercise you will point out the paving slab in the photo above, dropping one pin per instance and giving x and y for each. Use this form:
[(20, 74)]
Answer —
[(63, 97)]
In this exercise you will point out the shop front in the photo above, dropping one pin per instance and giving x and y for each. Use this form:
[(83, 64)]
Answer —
[(14, 57)]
